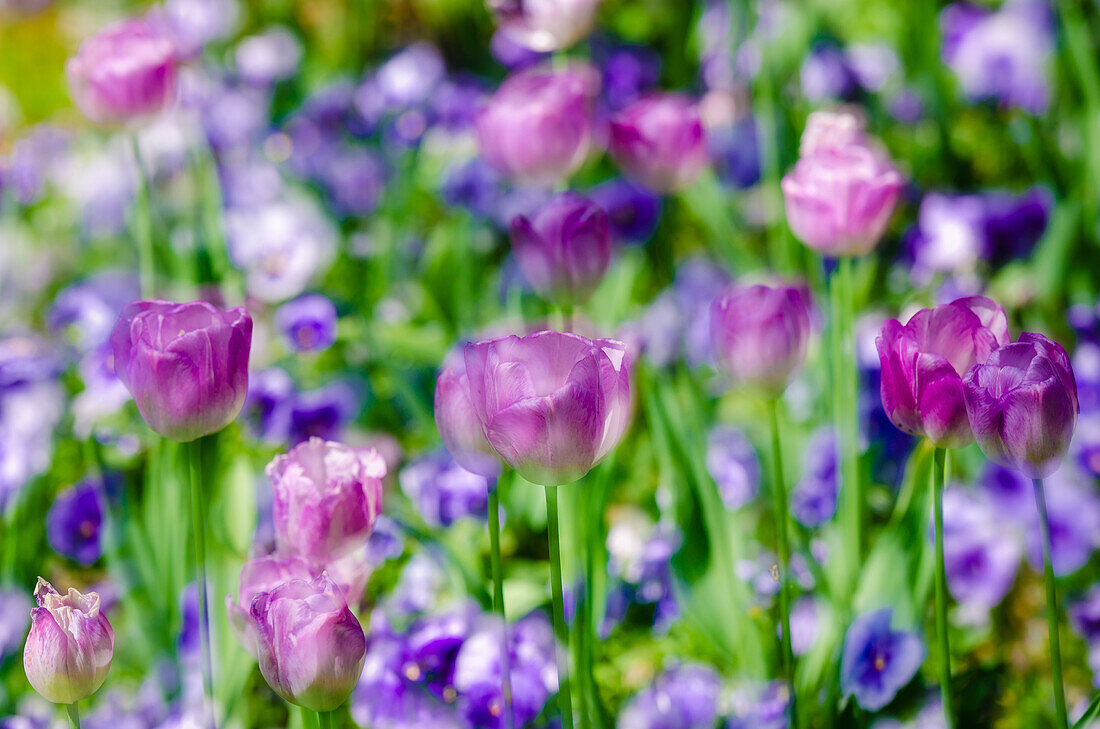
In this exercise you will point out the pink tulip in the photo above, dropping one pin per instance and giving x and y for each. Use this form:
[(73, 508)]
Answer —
[(459, 426), (545, 25), (659, 141)]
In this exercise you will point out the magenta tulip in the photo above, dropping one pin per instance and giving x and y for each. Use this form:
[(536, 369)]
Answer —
[(841, 192), (309, 645), (552, 405), (759, 334), (659, 141), (537, 127), (924, 362), (545, 25), (327, 498), (185, 364), (1023, 405), (70, 645), (125, 72), (565, 249), (459, 426)]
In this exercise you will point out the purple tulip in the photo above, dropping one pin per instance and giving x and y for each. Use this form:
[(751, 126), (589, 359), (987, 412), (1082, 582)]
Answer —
[(309, 644), (308, 323), (759, 334), (459, 425), (1022, 403), (564, 249), (74, 522), (327, 498), (924, 361), (842, 190), (70, 646), (536, 129), (877, 661), (545, 26), (125, 72), (259, 576), (551, 405), (659, 141), (185, 364)]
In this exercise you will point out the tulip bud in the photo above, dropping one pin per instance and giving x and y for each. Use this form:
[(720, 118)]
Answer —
[(309, 645), (545, 25), (70, 645), (841, 192), (659, 141), (924, 361), (537, 127), (552, 405), (459, 427), (259, 576), (759, 334), (185, 364), (124, 72), (327, 498), (1023, 405), (564, 250)]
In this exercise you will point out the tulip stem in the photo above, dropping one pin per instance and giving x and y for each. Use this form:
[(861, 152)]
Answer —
[(198, 528), (1052, 607), (143, 226), (326, 719), (565, 701), (498, 602), (846, 417), (779, 494), (74, 715), (938, 472)]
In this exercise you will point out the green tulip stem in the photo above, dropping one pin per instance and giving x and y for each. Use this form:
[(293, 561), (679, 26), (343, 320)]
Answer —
[(1052, 607), (779, 495), (326, 719), (498, 602), (198, 528), (565, 701), (143, 227), (74, 715), (938, 473)]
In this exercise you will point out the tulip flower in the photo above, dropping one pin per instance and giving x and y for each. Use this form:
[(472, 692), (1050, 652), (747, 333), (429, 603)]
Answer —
[(310, 646), (327, 498), (125, 72), (459, 426), (259, 576), (1023, 406), (924, 361), (545, 25), (185, 364), (759, 334), (659, 141), (70, 645), (536, 129), (564, 249), (841, 192), (551, 405)]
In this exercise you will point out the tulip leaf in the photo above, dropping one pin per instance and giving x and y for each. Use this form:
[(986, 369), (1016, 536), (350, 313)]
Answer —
[(1091, 715)]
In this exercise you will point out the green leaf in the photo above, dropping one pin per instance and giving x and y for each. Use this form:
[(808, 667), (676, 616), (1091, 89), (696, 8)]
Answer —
[(1090, 716)]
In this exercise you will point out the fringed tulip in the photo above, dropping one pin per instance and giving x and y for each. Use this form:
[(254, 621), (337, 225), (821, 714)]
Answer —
[(70, 645), (545, 25), (659, 141), (925, 360), (552, 405), (309, 645), (185, 364)]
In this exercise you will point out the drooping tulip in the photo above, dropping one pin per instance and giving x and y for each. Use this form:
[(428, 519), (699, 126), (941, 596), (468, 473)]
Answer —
[(70, 646), (185, 364), (309, 645), (759, 334), (1022, 404), (552, 405), (841, 192), (659, 141), (327, 498), (536, 129), (544, 25), (125, 72), (459, 426), (924, 362), (565, 248)]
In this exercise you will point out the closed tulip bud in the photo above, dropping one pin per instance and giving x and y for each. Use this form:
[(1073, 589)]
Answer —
[(564, 249), (536, 129), (841, 192), (309, 645), (659, 141), (552, 405), (259, 576), (185, 364), (1023, 405), (70, 645), (125, 72), (925, 360), (545, 25), (327, 498), (759, 334), (459, 427)]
